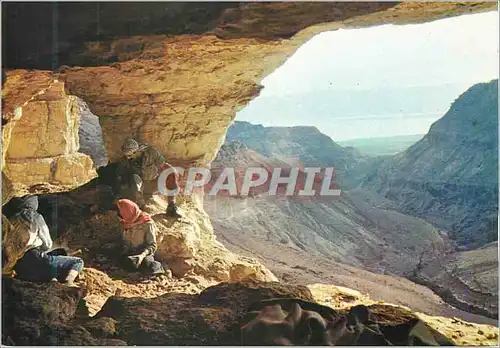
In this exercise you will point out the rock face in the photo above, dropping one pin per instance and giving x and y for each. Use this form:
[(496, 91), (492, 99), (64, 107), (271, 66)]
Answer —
[(175, 85), (450, 177), (90, 134), (154, 101), (42, 141), (169, 74), (178, 85), (43, 314), (467, 280), (187, 245), (362, 230), (13, 245), (359, 229), (51, 314)]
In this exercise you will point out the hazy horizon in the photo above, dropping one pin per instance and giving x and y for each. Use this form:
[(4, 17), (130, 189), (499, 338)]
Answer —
[(381, 81)]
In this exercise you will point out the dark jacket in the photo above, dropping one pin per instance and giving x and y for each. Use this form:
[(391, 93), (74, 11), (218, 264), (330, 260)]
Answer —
[(148, 165)]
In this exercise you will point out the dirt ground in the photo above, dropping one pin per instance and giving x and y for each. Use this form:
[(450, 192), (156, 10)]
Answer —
[(300, 267), (101, 286)]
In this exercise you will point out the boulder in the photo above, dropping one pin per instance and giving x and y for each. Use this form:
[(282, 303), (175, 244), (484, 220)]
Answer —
[(48, 127), (47, 314), (179, 319), (176, 239), (40, 138), (102, 327)]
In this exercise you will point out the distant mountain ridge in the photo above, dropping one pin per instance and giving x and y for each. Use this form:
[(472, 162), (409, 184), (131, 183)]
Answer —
[(344, 241), (300, 144), (450, 177), (361, 229)]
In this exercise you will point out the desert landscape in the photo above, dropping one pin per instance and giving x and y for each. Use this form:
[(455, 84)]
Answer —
[(415, 249)]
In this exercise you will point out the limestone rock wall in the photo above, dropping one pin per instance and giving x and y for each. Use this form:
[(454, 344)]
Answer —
[(188, 245), (21, 87), (49, 127), (41, 142), (181, 92)]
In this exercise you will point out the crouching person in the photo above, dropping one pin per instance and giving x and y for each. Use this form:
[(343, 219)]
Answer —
[(37, 263), (139, 238), (140, 169)]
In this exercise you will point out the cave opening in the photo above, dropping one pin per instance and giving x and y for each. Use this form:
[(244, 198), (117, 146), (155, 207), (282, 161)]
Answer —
[(378, 82), (91, 137), (180, 92), (53, 134)]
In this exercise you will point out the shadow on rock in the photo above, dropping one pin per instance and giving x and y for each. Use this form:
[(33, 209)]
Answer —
[(48, 314), (44, 314)]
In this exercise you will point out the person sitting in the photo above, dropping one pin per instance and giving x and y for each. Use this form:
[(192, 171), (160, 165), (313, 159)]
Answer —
[(139, 171), (37, 263), (139, 238)]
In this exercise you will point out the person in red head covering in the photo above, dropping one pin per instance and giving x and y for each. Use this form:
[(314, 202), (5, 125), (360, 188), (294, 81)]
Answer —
[(139, 238)]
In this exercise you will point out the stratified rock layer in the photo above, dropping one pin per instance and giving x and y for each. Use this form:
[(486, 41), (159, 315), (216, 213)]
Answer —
[(175, 74), (41, 143)]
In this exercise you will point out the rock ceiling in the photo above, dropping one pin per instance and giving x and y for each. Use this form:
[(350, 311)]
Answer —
[(172, 74)]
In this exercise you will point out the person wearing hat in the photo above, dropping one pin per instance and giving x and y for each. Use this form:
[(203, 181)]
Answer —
[(139, 171)]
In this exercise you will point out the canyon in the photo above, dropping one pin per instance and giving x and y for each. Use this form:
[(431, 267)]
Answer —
[(173, 75)]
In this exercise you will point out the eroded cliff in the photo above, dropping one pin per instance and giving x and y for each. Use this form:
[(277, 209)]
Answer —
[(169, 74), (40, 140), (178, 87)]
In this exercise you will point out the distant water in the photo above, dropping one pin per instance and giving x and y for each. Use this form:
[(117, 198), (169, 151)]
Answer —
[(382, 146), (380, 81)]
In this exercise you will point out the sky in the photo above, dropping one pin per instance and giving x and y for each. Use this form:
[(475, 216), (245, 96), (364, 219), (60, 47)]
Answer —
[(380, 81)]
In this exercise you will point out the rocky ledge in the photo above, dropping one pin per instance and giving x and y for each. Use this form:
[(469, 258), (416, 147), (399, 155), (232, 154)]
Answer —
[(51, 314)]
